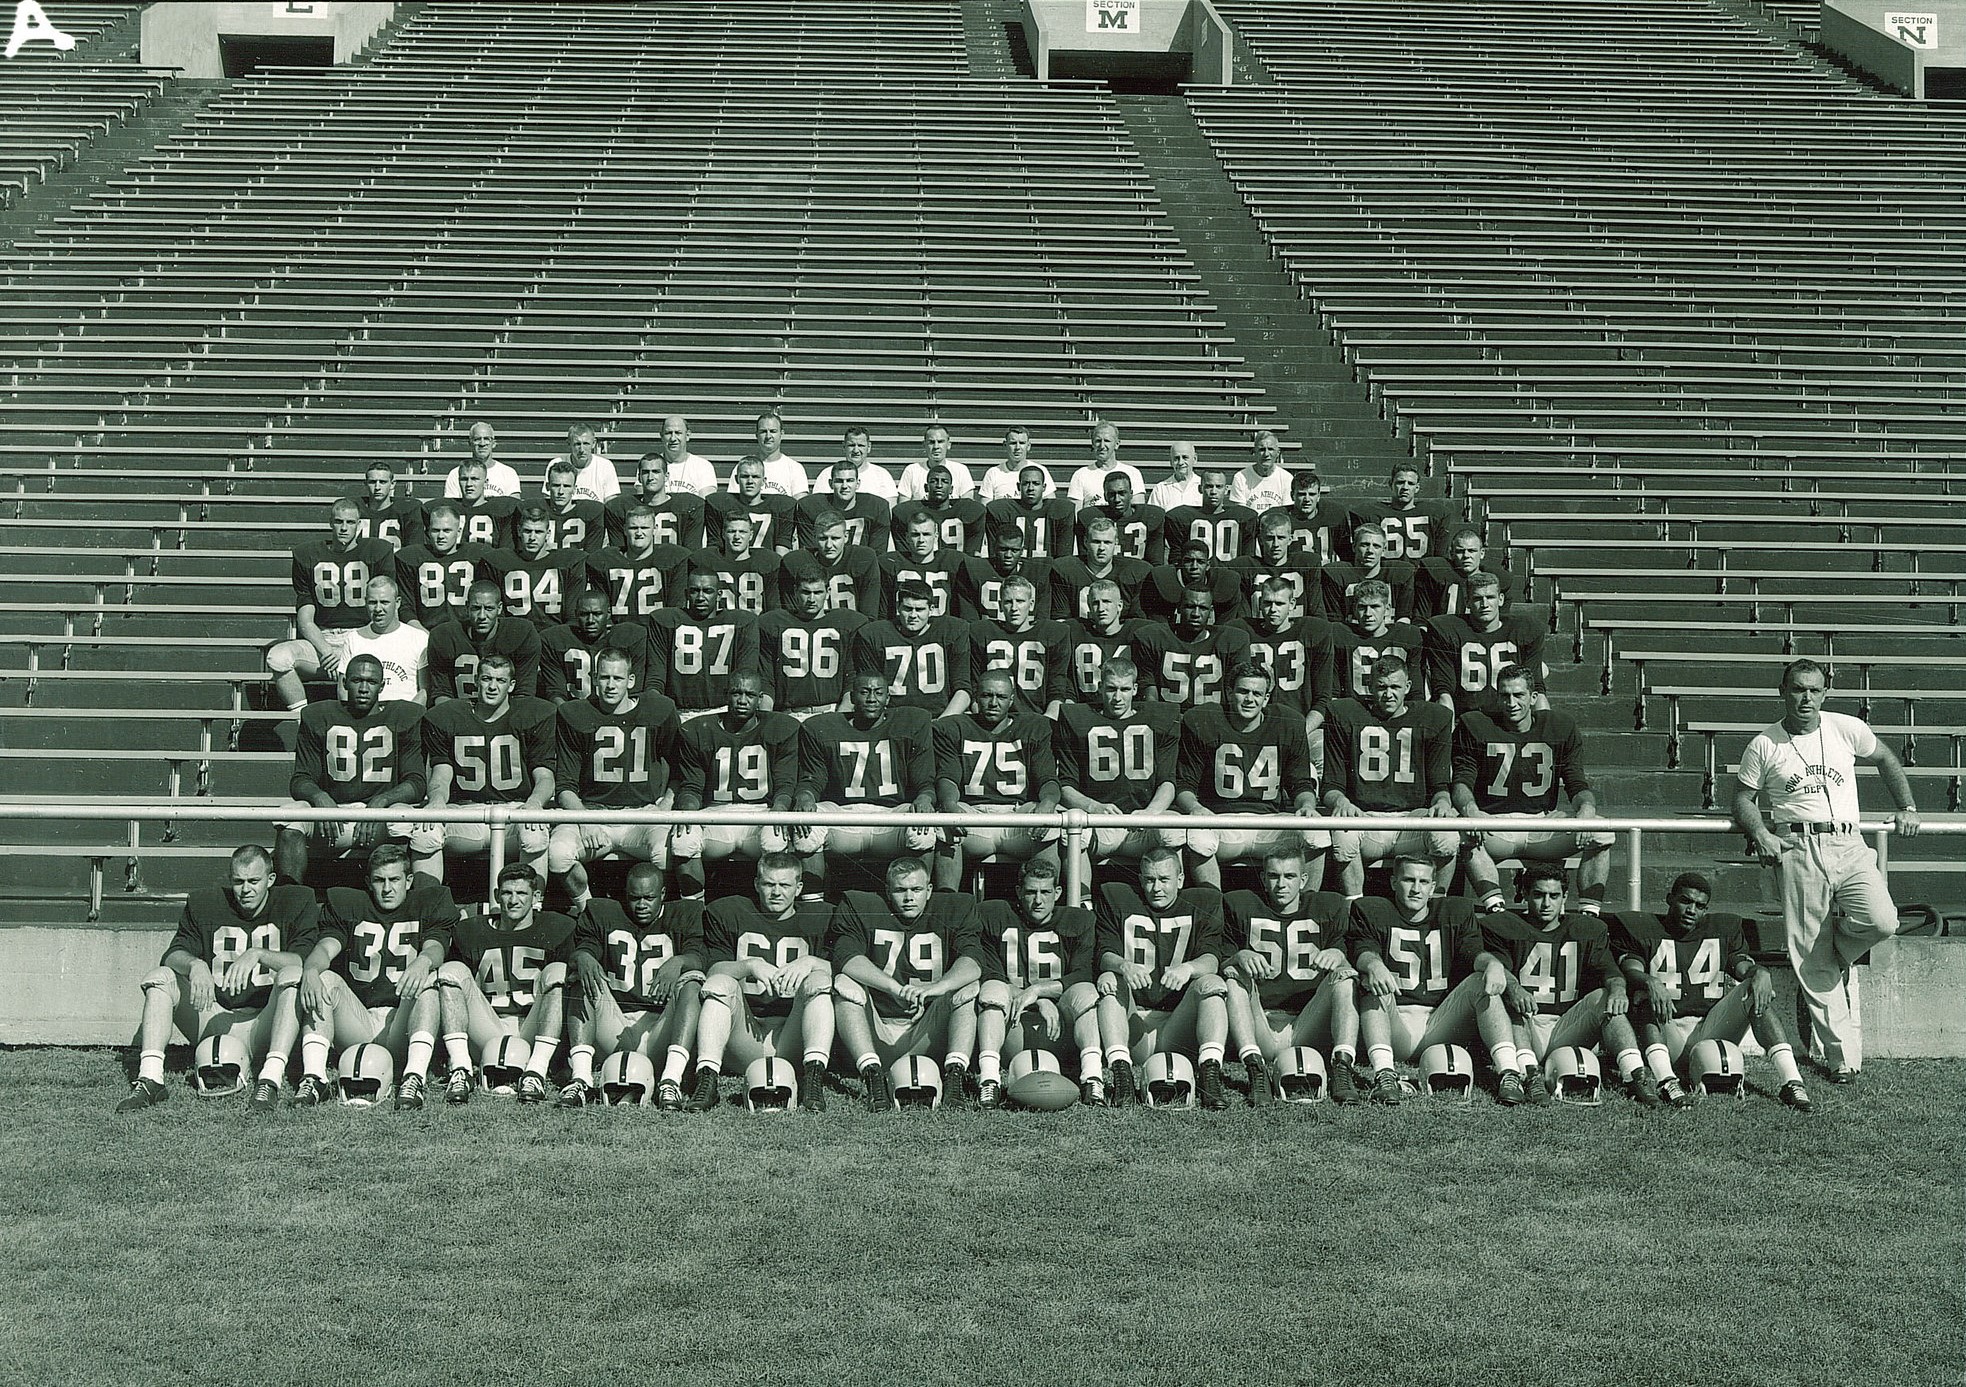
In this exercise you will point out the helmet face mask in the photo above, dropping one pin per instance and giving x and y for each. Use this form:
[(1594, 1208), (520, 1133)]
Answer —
[(917, 1082), (365, 1076), (220, 1065), (770, 1085), (1716, 1067), (1301, 1075), (628, 1079), (1576, 1076), (502, 1065), (1168, 1081), (1447, 1071)]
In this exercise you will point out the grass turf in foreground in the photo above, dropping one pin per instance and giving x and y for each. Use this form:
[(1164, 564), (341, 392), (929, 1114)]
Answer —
[(1736, 1243)]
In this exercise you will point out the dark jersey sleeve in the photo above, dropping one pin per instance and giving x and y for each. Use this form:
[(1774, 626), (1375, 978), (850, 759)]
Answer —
[(783, 744), (1193, 770), (1299, 771), (1211, 931), (847, 938), (964, 930), (1439, 763)]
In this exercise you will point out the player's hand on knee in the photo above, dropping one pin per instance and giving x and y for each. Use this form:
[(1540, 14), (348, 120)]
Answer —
[(1177, 977), (667, 978), (532, 839), (1139, 976), (367, 833), (200, 989), (313, 993), (427, 840), (1617, 1001), (593, 977), (593, 842), (1761, 991), (1046, 1011), (1658, 999), (1378, 978)]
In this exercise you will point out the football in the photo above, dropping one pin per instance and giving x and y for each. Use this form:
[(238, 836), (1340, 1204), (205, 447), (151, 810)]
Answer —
[(1044, 1090)]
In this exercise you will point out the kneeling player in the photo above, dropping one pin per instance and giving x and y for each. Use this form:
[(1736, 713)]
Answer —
[(641, 975), (371, 976), (1158, 989), (770, 989), (1697, 981), (507, 978), (1561, 988), (1038, 969), (1290, 982), (230, 969), (905, 970)]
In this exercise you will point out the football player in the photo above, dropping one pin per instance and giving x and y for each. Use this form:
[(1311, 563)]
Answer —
[(640, 575), (1521, 760), (1038, 990), (487, 516), (1368, 564), (640, 969), (1139, 530), (1099, 560), (1193, 567), (924, 657), (850, 573), (769, 991), (1295, 649), (958, 517), (695, 650), (1100, 637), (1392, 757), (746, 571), (437, 572), (1440, 585), (354, 752), (979, 582), (371, 975), (331, 582), (615, 753), (396, 521), (866, 515), (1320, 528), (1159, 988), (1244, 757), (1117, 757), (1223, 526), (457, 648), (506, 976), (536, 580), (1695, 980), (805, 647), (906, 968), (1264, 484), (920, 557), (741, 757), (878, 756), (567, 654), (1289, 980), (677, 515), (1184, 663), (486, 749), (402, 651), (1046, 522), (1412, 527), (1032, 652), (995, 760), (1466, 654), (572, 521), (1276, 560), (1370, 633), (753, 497), (231, 969)]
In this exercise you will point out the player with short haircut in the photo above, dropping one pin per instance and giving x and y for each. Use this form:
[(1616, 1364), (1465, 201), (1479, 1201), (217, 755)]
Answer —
[(229, 971), (1193, 568), (1031, 651), (1695, 980), (906, 969), (371, 975), (740, 757), (770, 988), (331, 581), (1521, 760), (1320, 527), (1265, 484), (999, 480), (866, 514), (1159, 988), (1290, 982), (1184, 662), (676, 517), (1368, 564), (996, 760), (979, 582), (1440, 582), (1274, 559), (594, 475), (695, 650), (1466, 654), (402, 651), (395, 520), (573, 521), (1295, 649), (504, 986), (535, 579), (1099, 561), (1413, 528), (924, 657), (1116, 756), (1391, 757), (1101, 636), (1139, 531), (1225, 527), (354, 752), (638, 577), (920, 557), (779, 474), (1560, 986), (1040, 964), (1046, 522), (1371, 632), (487, 749), (436, 573), (805, 648), (615, 750), (959, 518), (1415, 955), (1245, 757), (458, 648), (640, 969), (487, 516), (568, 653), (753, 498), (850, 573), (916, 483), (746, 571), (877, 756)]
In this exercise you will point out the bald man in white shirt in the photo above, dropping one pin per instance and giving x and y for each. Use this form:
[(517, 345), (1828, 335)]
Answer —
[(688, 473), (1183, 486)]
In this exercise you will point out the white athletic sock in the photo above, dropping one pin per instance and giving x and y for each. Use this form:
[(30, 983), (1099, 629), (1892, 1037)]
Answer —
[(1090, 1063), (150, 1065), (457, 1049), (274, 1069), (314, 1056), (1250, 1052), (1209, 1052), (817, 1057), (1629, 1062), (541, 1058), (867, 1061), (1492, 901), (1783, 1056), (675, 1062), (1380, 1057), (708, 1067), (989, 1068), (1117, 1053), (1505, 1058), (580, 1059), (1659, 1060), (1350, 1052), (417, 1059)]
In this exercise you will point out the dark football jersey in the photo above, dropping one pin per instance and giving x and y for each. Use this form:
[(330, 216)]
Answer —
[(843, 763), (1340, 579), (806, 663), (1353, 653), (351, 759), (1388, 765), (1010, 764), (867, 519), (541, 590), (1305, 581), (1188, 671), (437, 584), (1118, 761), (750, 583), (639, 585), (507, 962), (1554, 966), (1299, 657), (1290, 939), (909, 951), (923, 671), (334, 581), (632, 955), (1143, 533), (678, 520), (492, 762), (1226, 532), (1442, 590), (757, 764), (617, 760), (376, 944), (1698, 966), (939, 574), (582, 525), (487, 522), (397, 523), (691, 661), (960, 523), (735, 929), (1022, 954), (979, 589), (566, 662), (1513, 772), (853, 581), (1047, 527), (1325, 536), (1465, 662), (1088, 651), (1034, 658), (1160, 595), (211, 929), (1071, 578), (1427, 957), (771, 517), (1230, 771), (454, 657), (1410, 534), (1189, 929)]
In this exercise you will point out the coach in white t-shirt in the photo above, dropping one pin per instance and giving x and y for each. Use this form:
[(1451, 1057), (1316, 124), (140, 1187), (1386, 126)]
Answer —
[(935, 453), (594, 477), (500, 478), (403, 650), (1089, 482), (1803, 769), (784, 475), (1265, 483), (875, 479), (688, 473), (999, 480)]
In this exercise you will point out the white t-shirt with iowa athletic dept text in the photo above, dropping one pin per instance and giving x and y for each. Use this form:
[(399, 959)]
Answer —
[(1808, 777), (404, 653)]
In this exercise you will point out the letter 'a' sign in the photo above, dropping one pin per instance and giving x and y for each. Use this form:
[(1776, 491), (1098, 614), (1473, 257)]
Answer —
[(1113, 16), (1913, 30)]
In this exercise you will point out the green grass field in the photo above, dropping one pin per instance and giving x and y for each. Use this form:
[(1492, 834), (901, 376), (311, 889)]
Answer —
[(1731, 1244)]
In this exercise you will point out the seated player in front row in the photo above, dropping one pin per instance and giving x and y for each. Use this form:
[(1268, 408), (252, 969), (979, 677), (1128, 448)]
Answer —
[(230, 970), (906, 964), (504, 987), (1038, 991)]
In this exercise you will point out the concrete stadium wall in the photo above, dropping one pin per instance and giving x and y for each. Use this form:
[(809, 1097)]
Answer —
[(186, 35), (1860, 31)]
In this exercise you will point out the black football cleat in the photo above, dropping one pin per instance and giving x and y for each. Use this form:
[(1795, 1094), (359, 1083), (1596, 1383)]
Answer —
[(1794, 1095), (265, 1096), (812, 1087), (457, 1086), (409, 1093), (532, 1088), (144, 1093), (1386, 1089), (707, 1093), (1536, 1088), (669, 1096), (1092, 1092), (1344, 1081), (577, 1093), (1208, 1085), (880, 1098), (1262, 1090), (989, 1093), (310, 1092), (957, 1086), (1125, 1089), (1509, 1091)]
